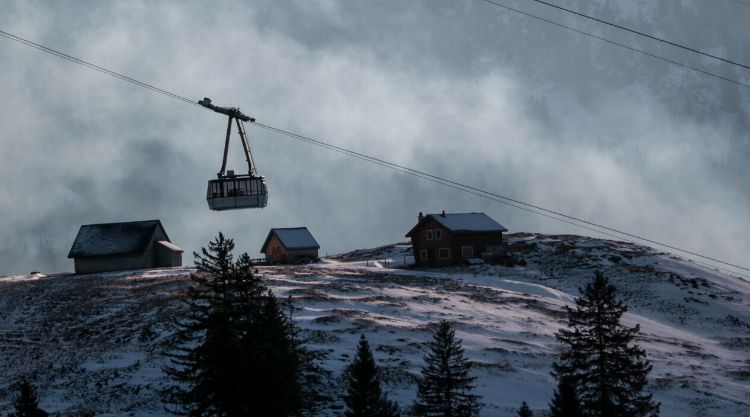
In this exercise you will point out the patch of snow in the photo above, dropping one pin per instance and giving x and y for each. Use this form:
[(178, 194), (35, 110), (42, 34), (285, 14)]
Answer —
[(97, 340)]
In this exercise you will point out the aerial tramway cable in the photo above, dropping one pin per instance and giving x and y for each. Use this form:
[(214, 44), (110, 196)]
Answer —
[(500, 198), (535, 209), (621, 45), (637, 32)]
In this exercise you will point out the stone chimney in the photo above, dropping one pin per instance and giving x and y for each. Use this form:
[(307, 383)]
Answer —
[(420, 217)]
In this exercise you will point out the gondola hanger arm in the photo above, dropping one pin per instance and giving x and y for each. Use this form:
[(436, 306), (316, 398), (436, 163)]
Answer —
[(229, 111), (235, 114)]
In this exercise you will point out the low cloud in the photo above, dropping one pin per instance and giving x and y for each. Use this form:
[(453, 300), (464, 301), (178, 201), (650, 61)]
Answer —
[(80, 147)]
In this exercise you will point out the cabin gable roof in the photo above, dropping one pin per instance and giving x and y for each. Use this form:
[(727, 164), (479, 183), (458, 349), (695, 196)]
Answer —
[(292, 238), (111, 239), (462, 223)]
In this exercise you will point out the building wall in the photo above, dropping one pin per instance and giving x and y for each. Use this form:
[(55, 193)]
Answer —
[(294, 255), (479, 242), (166, 257), (420, 242), (113, 263), (275, 251)]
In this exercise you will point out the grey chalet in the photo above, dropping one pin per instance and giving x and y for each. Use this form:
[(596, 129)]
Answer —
[(290, 245), (451, 238), (123, 246)]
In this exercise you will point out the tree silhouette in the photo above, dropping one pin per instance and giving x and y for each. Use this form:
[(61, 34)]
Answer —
[(565, 402), (236, 352), (364, 396), (525, 411), (609, 372), (445, 387), (26, 403)]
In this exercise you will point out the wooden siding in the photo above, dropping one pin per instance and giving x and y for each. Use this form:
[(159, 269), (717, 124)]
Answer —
[(276, 252), (454, 242)]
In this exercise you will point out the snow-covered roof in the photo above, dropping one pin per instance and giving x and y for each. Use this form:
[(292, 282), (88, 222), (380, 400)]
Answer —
[(109, 239), (171, 246), (463, 223), (292, 238)]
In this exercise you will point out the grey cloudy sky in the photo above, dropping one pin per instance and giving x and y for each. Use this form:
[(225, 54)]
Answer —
[(458, 88)]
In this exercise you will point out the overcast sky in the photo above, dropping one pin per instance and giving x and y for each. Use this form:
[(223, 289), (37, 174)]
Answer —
[(460, 89)]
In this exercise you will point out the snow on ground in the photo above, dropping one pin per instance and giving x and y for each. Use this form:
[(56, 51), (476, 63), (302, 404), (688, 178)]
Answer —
[(96, 341)]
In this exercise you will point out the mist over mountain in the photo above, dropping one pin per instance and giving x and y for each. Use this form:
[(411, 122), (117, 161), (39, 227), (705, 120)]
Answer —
[(462, 89)]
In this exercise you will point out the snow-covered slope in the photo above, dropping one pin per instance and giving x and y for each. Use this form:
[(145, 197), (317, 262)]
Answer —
[(95, 341)]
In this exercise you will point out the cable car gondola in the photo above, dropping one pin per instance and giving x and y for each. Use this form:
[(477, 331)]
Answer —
[(235, 191)]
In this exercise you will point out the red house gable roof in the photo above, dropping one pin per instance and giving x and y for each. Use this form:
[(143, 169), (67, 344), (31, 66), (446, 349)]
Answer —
[(462, 223)]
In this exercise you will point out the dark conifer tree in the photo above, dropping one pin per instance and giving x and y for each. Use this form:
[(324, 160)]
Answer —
[(200, 359), (610, 372), (26, 403), (275, 361), (236, 354), (445, 387), (525, 411), (364, 396), (565, 401)]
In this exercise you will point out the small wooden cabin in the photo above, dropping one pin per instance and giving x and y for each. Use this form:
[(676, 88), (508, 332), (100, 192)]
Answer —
[(290, 245), (450, 238), (123, 246)]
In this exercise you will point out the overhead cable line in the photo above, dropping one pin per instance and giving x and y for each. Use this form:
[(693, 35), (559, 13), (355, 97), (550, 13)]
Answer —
[(585, 224), (417, 174), (741, 2), (514, 202), (621, 45), (94, 67), (457, 186), (637, 32)]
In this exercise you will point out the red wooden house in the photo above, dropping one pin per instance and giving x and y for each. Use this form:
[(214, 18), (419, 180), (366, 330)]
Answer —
[(450, 238)]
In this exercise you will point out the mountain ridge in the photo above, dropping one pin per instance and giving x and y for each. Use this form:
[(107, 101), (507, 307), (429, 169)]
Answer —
[(95, 342)]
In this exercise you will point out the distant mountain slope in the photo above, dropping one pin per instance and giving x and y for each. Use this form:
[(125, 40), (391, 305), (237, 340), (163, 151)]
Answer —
[(94, 341)]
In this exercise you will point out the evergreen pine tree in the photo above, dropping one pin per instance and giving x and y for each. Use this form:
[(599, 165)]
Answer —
[(275, 360), (525, 411), (26, 403), (199, 360), (565, 401), (445, 387), (236, 354), (364, 396), (609, 371)]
